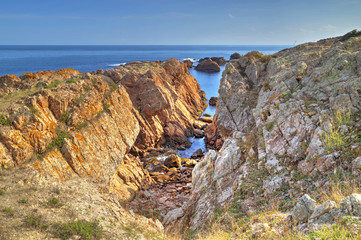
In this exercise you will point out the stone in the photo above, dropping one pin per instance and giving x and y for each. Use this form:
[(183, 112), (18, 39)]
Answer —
[(197, 154), (235, 56), (189, 63), (356, 165), (198, 133), (207, 65), (219, 60), (200, 125), (206, 119), (213, 101), (186, 162), (173, 161), (172, 216), (303, 209), (161, 178)]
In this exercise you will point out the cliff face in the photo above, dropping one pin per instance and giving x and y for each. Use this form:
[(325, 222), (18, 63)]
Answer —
[(85, 124), (290, 120)]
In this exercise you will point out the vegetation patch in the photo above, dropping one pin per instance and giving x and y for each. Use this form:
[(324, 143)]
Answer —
[(59, 140), (53, 203), (82, 125), (65, 117), (35, 221), (8, 211), (84, 229), (4, 120), (53, 84), (23, 201), (334, 139)]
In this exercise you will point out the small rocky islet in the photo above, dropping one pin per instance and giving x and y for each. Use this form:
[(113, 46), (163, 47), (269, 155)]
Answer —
[(101, 148)]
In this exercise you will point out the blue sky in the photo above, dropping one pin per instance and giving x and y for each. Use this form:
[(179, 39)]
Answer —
[(175, 22)]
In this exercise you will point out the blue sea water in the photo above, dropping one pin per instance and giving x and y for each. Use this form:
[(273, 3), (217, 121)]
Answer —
[(17, 60), (21, 59)]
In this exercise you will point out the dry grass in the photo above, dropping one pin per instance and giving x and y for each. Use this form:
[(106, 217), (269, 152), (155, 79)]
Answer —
[(339, 191), (9, 99)]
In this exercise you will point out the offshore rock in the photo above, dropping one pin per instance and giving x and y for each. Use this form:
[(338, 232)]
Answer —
[(207, 65), (235, 56)]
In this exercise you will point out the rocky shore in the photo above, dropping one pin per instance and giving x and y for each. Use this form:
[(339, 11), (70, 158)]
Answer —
[(99, 150)]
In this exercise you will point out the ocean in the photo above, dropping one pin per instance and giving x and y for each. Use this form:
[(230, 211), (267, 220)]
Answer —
[(17, 60)]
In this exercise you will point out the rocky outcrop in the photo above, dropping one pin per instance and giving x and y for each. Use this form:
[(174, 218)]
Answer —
[(213, 101), (235, 56), (219, 60), (85, 125), (12, 83), (307, 217), (189, 63), (277, 115), (207, 65)]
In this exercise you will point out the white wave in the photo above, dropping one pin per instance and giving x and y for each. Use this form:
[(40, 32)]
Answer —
[(116, 64), (191, 59)]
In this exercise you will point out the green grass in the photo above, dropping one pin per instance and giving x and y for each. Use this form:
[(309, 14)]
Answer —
[(81, 125), (4, 120), (23, 200), (65, 117), (59, 140), (71, 81), (2, 192), (84, 229), (53, 203), (35, 221), (270, 125), (8, 211), (336, 232), (334, 139), (53, 84)]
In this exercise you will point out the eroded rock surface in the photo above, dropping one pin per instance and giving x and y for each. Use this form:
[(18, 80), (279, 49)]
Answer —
[(274, 114)]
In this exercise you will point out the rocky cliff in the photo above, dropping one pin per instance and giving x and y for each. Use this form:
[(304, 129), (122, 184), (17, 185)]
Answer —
[(64, 124), (290, 123)]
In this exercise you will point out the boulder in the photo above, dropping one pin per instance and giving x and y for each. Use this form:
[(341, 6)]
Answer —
[(219, 60), (197, 154), (186, 162), (206, 119), (207, 65), (200, 125), (175, 134), (213, 101), (235, 56), (173, 161), (198, 133), (303, 209), (189, 63)]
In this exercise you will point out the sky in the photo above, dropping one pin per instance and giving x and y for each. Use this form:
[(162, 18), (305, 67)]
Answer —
[(175, 22)]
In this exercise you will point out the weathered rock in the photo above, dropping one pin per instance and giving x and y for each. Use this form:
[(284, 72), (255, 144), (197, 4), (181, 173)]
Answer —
[(207, 65), (188, 162), (303, 209), (198, 133), (189, 63), (235, 56), (84, 125), (200, 125), (173, 161), (219, 60), (175, 134), (173, 215), (197, 154), (213, 101), (206, 119)]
